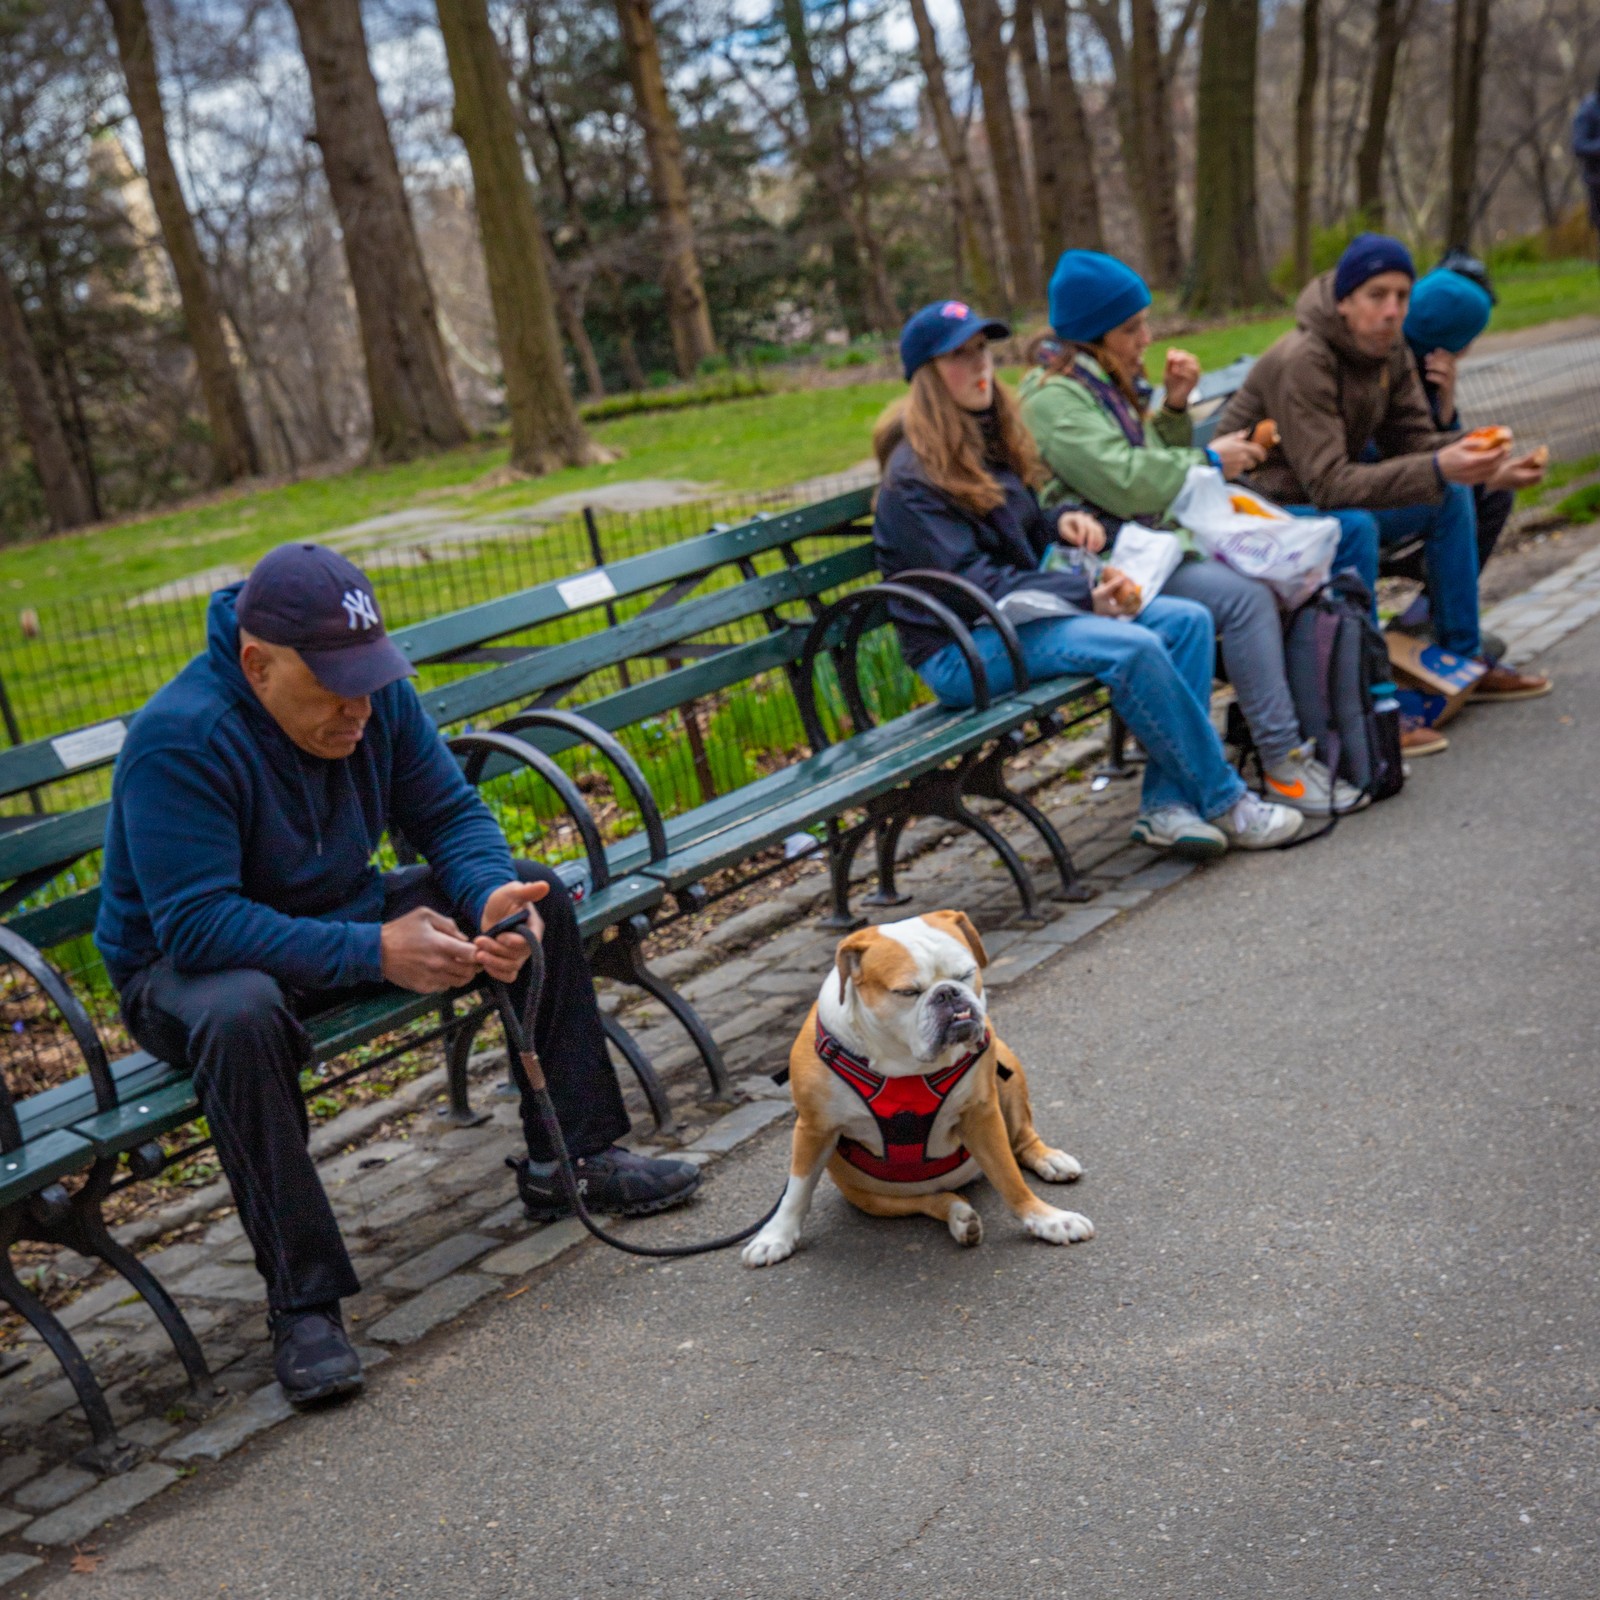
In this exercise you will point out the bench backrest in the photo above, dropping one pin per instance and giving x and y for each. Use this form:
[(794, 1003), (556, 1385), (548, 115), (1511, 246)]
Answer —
[(748, 605)]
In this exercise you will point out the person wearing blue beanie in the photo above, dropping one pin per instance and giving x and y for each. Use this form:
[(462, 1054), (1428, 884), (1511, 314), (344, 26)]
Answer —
[(1360, 443), (1091, 293)]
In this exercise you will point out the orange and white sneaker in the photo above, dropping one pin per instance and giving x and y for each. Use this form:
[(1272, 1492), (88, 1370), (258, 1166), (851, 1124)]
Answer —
[(1303, 782)]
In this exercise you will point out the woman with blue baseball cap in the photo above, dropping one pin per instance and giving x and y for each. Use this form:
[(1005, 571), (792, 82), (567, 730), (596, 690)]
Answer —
[(1087, 405), (957, 495)]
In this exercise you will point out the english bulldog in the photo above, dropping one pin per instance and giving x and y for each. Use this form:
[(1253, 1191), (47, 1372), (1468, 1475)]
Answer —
[(905, 1093)]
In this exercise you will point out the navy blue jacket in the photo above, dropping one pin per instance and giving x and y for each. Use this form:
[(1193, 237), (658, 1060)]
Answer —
[(229, 847), (919, 525), (1586, 138)]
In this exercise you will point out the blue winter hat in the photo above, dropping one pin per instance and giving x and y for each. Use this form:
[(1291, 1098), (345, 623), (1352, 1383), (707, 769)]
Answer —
[(939, 328), (1365, 257), (1091, 293), (1448, 311)]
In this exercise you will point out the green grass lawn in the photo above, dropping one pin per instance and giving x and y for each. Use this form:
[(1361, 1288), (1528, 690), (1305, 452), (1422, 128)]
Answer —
[(738, 445)]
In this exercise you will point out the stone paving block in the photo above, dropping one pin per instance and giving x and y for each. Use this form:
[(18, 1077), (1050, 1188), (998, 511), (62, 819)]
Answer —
[(510, 1216), (438, 1262), (1019, 959), (537, 1249), (16, 1565), (12, 1521), (101, 1298), (54, 1488), (786, 981), (729, 975), (217, 1281), (1073, 926), (744, 1123), (1160, 874), (115, 1497), (18, 1468), (149, 1431), (1122, 899), (229, 1429), (446, 1299)]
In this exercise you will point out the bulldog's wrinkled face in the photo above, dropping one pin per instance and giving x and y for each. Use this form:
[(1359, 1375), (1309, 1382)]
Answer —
[(914, 989)]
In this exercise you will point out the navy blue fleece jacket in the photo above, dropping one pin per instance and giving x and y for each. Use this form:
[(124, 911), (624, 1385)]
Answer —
[(228, 846)]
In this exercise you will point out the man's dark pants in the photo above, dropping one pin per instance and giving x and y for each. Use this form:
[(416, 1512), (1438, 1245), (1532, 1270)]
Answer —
[(239, 1033)]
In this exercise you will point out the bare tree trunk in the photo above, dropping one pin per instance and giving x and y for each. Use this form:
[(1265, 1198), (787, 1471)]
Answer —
[(1150, 115), (627, 354), (687, 310), (1305, 134), (982, 18), (546, 432), (1228, 269), (1469, 44), (1081, 227), (974, 226), (233, 445), (1041, 135), (569, 307), (1388, 30), (66, 497), (413, 406)]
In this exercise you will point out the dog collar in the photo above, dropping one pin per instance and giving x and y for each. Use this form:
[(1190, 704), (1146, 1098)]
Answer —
[(845, 1062)]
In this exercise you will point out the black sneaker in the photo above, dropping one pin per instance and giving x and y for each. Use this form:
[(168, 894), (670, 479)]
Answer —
[(313, 1356), (614, 1183)]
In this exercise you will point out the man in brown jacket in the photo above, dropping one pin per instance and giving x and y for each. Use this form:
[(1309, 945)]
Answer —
[(1359, 443)]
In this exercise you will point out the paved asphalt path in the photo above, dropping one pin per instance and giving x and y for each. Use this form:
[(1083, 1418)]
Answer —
[(1337, 1335)]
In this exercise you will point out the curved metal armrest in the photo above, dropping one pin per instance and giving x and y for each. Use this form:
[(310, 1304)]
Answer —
[(997, 619), (612, 749), (858, 607), (13, 947), (474, 750)]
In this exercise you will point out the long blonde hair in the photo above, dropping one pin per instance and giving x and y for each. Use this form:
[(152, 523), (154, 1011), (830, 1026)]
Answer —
[(949, 443)]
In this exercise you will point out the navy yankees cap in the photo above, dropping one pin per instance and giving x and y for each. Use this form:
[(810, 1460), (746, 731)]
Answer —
[(310, 598), (938, 329)]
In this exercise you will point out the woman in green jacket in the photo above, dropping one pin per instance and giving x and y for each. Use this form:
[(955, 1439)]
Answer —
[(1087, 406)]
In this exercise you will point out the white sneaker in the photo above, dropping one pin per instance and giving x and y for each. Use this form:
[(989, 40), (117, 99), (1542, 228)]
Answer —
[(1257, 824), (1180, 830), (1301, 781)]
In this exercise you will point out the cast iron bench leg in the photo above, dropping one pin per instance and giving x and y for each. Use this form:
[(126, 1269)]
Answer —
[(842, 846), (1116, 764), (886, 840), (458, 1051), (630, 1052), (621, 958), (987, 781), (108, 1454)]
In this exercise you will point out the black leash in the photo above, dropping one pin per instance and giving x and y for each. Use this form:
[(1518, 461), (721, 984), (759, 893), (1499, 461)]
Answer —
[(518, 1040)]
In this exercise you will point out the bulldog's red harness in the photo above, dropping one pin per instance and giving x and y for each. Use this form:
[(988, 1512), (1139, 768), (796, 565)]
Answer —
[(903, 1108)]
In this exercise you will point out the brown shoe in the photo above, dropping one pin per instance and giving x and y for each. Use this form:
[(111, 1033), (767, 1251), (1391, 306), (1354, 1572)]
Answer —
[(1506, 683), (1418, 739)]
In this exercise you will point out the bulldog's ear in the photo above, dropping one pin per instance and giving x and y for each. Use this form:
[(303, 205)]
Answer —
[(960, 924), (849, 955)]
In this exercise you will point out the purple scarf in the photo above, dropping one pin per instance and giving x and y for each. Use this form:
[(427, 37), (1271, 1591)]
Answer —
[(1114, 401)]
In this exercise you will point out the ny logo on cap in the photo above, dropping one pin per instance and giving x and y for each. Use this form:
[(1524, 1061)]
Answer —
[(954, 308), (358, 607)]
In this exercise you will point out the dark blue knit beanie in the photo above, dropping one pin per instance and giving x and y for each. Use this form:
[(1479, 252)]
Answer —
[(1090, 294), (1365, 257)]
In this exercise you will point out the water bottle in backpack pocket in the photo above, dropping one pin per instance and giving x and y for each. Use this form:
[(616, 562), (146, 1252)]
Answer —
[(1338, 670)]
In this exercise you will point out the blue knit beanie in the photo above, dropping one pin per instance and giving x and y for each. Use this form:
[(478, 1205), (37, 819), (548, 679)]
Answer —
[(1090, 294), (1448, 311), (1365, 257)]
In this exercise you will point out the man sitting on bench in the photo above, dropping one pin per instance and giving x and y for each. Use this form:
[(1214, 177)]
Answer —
[(239, 895), (1344, 379)]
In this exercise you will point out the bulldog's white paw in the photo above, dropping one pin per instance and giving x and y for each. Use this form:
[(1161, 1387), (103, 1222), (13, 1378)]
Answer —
[(769, 1246), (966, 1226), (1059, 1227), (1056, 1166)]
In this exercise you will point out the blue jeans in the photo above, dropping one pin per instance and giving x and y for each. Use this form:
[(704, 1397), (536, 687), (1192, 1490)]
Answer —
[(1158, 670), (1450, 554)]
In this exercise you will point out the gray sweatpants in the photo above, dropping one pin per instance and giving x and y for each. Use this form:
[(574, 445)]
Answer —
[(1250, 632)]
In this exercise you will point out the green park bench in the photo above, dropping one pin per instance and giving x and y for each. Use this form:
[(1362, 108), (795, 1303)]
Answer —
[(718, 624)]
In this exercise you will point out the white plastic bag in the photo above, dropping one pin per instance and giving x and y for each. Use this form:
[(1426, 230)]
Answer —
[(1236, 526), (1147, 556)]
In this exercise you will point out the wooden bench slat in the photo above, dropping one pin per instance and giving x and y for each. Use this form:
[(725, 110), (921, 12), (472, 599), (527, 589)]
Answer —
[(40, 1162), (577, 658), (137, 1121), (70, 1102)]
